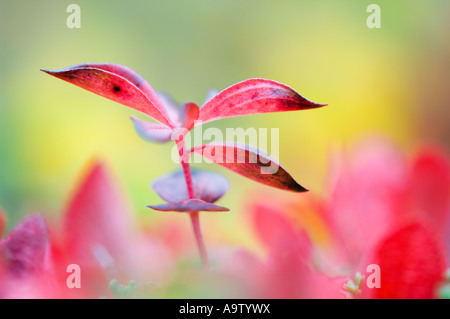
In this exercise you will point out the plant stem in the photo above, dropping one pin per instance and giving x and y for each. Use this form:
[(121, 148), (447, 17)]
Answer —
[(195, 220), (188, 178), (199, 238)]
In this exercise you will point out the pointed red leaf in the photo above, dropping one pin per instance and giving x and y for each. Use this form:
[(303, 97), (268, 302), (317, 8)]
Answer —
[(287, 272), (208, 186), (23, 251), (254, 96), (190, 205), (249, 162), (118, 83), (412, 263), (152, 132), (96, 217)]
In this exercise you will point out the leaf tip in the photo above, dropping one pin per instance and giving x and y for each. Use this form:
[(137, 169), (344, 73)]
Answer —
[(315, 105), (299, 188)]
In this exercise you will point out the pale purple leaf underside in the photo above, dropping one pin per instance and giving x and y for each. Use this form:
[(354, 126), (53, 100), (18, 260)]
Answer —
[(190, 205), (208, 186)]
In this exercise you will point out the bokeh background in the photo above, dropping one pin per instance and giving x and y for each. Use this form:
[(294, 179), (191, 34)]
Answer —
[(391, 81)]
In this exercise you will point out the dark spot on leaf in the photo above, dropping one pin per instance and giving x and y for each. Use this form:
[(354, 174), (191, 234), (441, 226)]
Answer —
[(116, 88)]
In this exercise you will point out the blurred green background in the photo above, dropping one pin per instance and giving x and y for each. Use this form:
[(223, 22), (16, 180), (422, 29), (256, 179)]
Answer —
[(391, 81)]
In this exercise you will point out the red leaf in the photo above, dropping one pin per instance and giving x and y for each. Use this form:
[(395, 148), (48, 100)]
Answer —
[(364, 188), (287, 272), (429, 186), (276, 231), (254, 96), (190, 205), (208, 186), (96, 217), (23, 250), (249, 162), (118, 83), (190, 115), (152, 132), (411, 263)]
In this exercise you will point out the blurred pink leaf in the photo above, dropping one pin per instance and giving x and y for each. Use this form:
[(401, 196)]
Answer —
[(190, 205), (362, 209), (208, 186), (118, 83), (96, 235), (249, 162), (23, 251), (376, 189), (275, 230), (288, 271), (253, 96), (428, 186), (412, 263), (152, 132), (96, 219)]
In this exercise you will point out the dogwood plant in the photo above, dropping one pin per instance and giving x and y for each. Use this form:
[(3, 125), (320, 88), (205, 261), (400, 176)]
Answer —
[(187, 191)]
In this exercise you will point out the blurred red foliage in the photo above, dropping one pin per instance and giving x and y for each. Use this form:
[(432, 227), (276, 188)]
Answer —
[(382, 208)]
